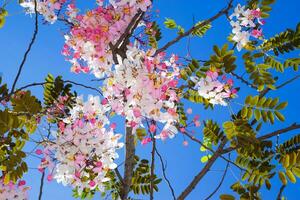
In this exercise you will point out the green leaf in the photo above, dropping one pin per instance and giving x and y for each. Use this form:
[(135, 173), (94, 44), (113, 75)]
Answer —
[(291, 176), (170, 23), (226, 197), (282, 178)]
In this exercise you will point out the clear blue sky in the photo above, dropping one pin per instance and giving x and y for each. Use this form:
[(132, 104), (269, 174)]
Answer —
[(183, 163)]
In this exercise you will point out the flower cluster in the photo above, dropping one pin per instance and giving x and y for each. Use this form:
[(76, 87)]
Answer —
[(143, 87), (13, 191), (83, 150), (245, 23), (87, 45), (47, 8), (211, 88)]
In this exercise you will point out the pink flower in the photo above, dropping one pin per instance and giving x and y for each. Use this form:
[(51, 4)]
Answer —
[(256, 13), (152, 128), (182, 129), (256, 33), (185, 143), (212, 74), (230, 82), (38, 151), (146, 141), (197, 123), (137, 112), (189, 111), (41, 169), (49, 177), (104, 101), (196, 117), (132, 124), (21, 183), (113, 126), (92, 183), (61, 126)]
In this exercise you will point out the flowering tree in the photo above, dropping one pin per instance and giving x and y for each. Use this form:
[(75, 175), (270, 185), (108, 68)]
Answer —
[(149, 88)]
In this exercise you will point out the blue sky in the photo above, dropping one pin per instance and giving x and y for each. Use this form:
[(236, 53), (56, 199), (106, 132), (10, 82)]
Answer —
[(183, 163)]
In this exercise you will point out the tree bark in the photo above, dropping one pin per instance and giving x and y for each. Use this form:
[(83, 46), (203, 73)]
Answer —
[(129, 162), (203, 172)]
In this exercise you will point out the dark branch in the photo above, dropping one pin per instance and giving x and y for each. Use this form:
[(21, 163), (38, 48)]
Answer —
[(164, 173), (220, 184), (36, 28), (243, 80), (129, 163), (152, 166)]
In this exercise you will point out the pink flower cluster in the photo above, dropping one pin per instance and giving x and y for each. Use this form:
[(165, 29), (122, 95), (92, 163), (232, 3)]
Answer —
[(214, 88), (47, 8), (13, 191), (143, 87), (245, 22), (87, 45), (83, 150)]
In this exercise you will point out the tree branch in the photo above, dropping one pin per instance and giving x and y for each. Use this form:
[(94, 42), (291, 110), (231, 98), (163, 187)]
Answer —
[(152, 166), (243, 80), (36, 28), (164, 174), (221, 182), (129, 162), (187, 33), (202, 173)]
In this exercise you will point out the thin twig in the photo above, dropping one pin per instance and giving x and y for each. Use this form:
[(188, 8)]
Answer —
[(164, 174), (36, 28), (243, 80), (221, 182), (187, 33)]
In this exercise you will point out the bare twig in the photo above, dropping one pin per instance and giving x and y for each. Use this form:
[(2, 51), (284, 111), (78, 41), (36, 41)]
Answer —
[(187, 33), (243, 80), (36, 28), (164, 174), (221, 182)]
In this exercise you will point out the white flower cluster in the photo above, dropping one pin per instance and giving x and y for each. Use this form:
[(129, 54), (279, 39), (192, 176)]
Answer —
[(143, 87), (243, 22), (212, 89), (46, 8), (84, 149), (13, 192)]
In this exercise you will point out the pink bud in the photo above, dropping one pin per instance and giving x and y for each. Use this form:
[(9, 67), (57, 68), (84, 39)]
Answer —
[(38, 151), (92, 183), (49, 177), (185, 143), (104, 101), (152, 128), (113, 126), (189, 111), (21, 183)]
